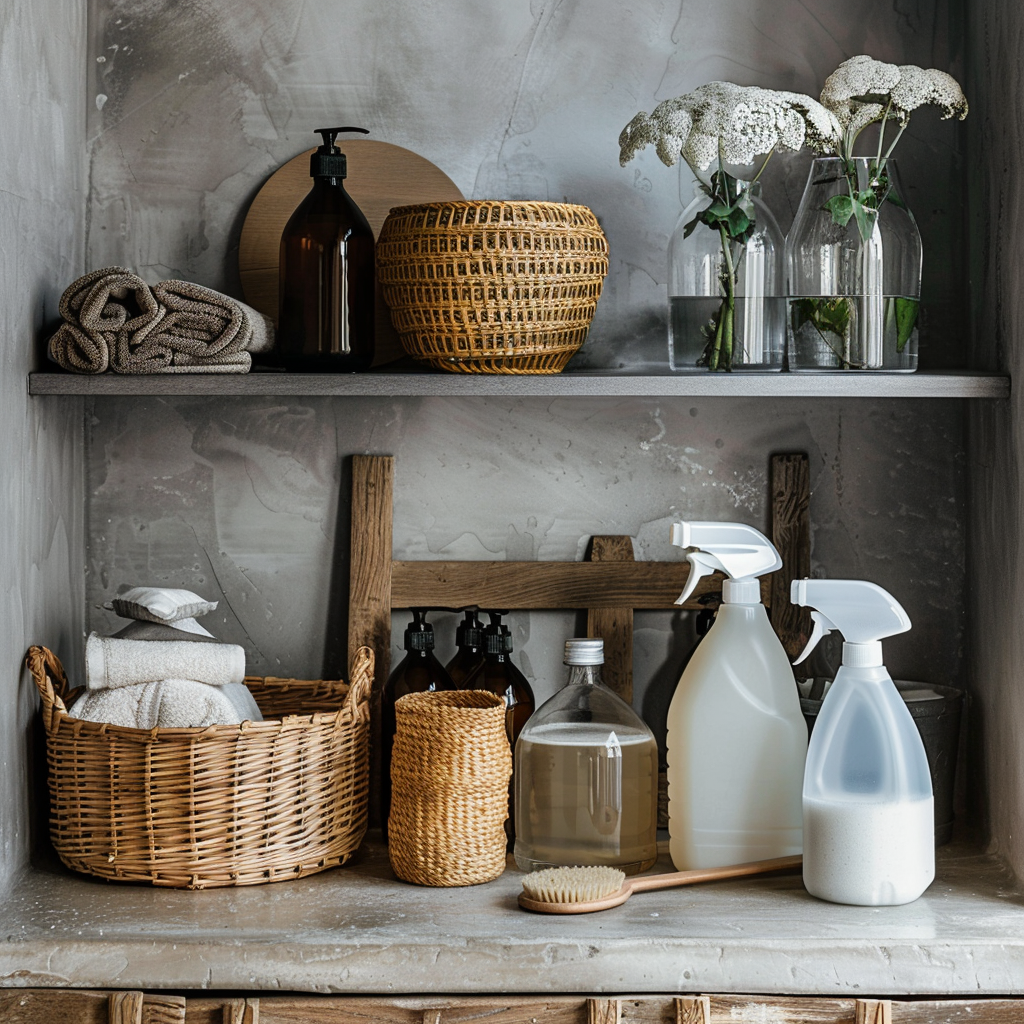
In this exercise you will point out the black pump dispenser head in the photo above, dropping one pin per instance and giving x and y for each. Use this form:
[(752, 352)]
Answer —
[(469, 632), (497, 636), (329, 161), (419, 634)]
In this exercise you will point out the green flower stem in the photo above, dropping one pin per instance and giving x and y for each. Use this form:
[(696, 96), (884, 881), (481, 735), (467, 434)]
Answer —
[(881, 136), (721, 352)]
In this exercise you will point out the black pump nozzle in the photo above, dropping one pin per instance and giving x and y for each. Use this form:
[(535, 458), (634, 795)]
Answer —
[(497, 636), (329, 161), (469, 633), (419, 634)]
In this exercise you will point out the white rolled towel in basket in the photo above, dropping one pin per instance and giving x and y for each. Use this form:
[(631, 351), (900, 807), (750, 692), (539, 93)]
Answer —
[(111, 662)]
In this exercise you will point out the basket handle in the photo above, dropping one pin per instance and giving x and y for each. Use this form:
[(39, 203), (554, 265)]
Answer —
[(360, 683), (51, 681)]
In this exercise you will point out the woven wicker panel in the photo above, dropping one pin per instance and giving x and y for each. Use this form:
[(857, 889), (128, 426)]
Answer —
[(225, 805), (492, 287), (450, 767)]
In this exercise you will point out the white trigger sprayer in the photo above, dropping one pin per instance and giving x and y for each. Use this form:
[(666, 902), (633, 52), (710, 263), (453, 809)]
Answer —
[(867, 795), (736, 738), (738, 550)]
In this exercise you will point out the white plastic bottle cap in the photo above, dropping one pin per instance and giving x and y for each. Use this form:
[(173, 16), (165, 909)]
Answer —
[(746, 591), (584, 652)]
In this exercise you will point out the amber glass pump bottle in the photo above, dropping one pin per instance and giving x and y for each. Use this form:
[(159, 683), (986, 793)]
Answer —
[(327, 274), (469, 656), (418, 672), (500, 676)]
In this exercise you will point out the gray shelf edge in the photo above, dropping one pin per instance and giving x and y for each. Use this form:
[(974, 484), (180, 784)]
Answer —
[(569, 385)]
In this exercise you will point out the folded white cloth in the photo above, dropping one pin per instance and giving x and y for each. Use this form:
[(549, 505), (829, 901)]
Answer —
[(168, 704), (111, 662)]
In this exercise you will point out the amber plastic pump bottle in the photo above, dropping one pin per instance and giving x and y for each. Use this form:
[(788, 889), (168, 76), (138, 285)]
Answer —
[(418, 672), (326, 321)]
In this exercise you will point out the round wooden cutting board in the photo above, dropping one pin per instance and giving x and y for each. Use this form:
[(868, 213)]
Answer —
[(380, 176)]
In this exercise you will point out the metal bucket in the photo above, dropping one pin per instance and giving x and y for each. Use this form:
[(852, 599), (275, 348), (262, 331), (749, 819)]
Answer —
[(936, 713)]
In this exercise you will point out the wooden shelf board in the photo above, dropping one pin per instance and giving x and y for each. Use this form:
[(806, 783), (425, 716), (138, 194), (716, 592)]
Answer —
[(397, 384), (358, 930)]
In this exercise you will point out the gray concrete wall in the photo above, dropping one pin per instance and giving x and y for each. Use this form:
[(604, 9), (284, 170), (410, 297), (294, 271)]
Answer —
[(193, 106), (996, 431), (42, 218), (245, 501)]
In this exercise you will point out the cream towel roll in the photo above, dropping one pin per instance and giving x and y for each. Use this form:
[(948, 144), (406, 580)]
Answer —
[(111, 663), (169, 704)]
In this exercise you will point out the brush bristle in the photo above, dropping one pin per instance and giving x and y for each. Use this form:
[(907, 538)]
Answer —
[(572, 885)]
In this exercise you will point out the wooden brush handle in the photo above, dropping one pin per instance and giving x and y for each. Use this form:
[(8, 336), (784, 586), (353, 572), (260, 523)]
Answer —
[(674, 878)]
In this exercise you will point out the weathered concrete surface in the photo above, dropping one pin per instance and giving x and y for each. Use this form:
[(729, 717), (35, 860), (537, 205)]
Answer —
[(246, 501), (42, 216), (357, 930), (194, 105), (997, 430)]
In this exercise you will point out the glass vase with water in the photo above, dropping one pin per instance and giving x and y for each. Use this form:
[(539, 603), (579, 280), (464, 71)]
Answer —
[(854, 286), (727, 306)]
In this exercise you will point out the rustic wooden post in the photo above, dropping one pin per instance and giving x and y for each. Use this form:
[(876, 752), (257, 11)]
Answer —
[(604, 1011), (369, 608), (791, 534), (873, 1011), (614, 625), (693, 1010), (125, 1008)]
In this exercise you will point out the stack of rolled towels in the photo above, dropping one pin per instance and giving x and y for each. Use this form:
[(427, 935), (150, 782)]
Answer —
[(164, 669), (113, 320)]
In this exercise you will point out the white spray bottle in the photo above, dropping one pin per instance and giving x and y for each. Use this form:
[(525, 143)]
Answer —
[(736, 737), (869, 829)]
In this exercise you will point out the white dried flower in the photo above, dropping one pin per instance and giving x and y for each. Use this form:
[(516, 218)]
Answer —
[(738, 122), (861, 89), (918, 86)]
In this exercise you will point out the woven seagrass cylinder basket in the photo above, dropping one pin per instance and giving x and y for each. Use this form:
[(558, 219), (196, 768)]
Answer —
[(219, 806), (492, 287), (450, 767)]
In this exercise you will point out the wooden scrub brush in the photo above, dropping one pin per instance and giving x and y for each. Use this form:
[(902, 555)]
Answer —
[(581, 890)]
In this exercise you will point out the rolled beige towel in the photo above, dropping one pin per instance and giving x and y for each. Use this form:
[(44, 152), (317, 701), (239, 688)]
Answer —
[(202, 331), (102, 311)]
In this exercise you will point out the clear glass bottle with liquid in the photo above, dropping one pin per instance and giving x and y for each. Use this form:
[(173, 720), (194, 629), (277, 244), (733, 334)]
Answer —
[(586, 776)]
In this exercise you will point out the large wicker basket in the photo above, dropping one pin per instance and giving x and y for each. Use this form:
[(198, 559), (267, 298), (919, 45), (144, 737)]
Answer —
[(492, 287), (220, 806)]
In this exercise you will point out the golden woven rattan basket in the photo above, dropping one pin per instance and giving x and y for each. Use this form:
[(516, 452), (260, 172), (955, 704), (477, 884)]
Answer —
[(220, 806), (450, 767), (492, 287)]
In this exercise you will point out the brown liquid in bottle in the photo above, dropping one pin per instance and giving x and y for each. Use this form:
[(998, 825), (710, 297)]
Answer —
[(327, 275), (500, 676), (469, 658), (418, 672)]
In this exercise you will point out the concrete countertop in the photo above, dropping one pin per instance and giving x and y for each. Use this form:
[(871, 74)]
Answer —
[(358, 930)]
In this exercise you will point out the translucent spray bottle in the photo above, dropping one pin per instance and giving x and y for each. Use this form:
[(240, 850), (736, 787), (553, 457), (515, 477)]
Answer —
[(867, 798), (736, 737)]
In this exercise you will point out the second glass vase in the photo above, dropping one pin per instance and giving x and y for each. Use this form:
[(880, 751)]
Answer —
[(727, 307), (854, 290)]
